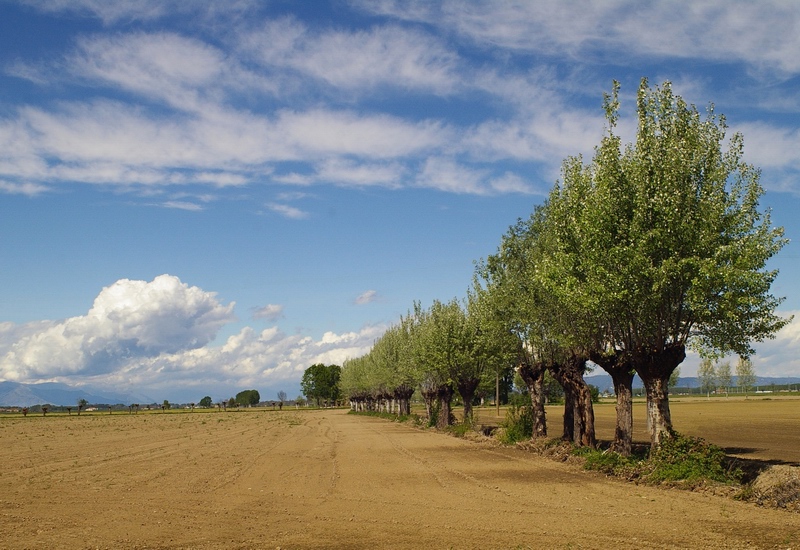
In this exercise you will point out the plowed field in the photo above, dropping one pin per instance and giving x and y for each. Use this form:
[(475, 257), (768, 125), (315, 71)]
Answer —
[(326, 479)]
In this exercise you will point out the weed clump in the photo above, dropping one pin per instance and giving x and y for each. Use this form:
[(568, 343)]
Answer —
[(518, 424), (685, 460)]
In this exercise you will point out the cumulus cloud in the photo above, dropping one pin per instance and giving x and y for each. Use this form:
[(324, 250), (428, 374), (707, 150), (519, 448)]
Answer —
[(129, 320), (248, 358), (156, 338)]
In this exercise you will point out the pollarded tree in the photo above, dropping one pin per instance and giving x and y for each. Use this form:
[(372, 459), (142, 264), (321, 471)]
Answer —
[(519, 280), (491, 349), (440, 347), (745, 375), (518, 306), (673, 245)]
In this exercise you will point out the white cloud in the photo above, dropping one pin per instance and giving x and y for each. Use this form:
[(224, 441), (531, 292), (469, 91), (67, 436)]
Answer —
[(367, 297), (445, 174), (270, 312), (247, 359), (144, 10), (762, 34), (779, 356), (287, 211), (128, 321), (357, 61), (27, 188), (183, 205)]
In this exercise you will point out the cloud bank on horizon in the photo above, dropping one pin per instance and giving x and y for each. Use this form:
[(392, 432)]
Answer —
[(305, 118), (154, 336)]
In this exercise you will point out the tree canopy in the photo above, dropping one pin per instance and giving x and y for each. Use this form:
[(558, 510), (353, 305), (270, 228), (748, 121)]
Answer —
[(321, 383), (248, 398)]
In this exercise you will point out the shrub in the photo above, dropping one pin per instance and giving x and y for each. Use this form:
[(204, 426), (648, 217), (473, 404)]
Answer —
[(518, 424), (685, 458)]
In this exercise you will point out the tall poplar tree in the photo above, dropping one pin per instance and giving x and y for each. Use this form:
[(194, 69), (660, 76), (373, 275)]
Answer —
[(670, 245)]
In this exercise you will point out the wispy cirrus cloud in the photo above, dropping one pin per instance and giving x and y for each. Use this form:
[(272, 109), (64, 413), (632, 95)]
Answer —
[(762, 34), (357, 61)]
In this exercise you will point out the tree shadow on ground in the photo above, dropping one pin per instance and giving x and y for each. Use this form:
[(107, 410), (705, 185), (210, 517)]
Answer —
[(752, 467)]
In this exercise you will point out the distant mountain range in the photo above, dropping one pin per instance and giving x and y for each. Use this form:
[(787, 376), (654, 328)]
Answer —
[(604, 382), (14, 394)]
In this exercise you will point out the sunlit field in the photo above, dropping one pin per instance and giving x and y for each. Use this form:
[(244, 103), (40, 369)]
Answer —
[(260, 478)]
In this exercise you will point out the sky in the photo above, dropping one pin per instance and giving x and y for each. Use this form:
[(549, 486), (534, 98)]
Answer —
[(201, 197)]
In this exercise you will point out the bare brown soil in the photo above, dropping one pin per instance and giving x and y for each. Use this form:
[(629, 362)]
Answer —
[(326, 479)]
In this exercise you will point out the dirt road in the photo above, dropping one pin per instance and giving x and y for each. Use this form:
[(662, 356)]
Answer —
[(325, 479)]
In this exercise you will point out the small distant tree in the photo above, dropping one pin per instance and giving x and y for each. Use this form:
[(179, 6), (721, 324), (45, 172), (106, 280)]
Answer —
[(707, 376), (81, 405), (231, 402), (206, 402), (69, 411), (45, 408), (25, 411), (745, 375), (281, 398), (674, 378), (165, 406), (724, 376), (192, 406)]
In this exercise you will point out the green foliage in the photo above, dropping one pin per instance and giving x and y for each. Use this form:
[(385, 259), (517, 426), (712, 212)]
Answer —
[(679, 458), (321, 383), (686, 458), (518, 424), (248, 398), (206, 402), (461, 429), (707, 375), (745, 374)]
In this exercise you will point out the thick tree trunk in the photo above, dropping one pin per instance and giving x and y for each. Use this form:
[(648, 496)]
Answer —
[(621, 371), (445, 418), (403, 395), (429, 396), (533, 376), (655, 368), (466, 389), (577, 394)]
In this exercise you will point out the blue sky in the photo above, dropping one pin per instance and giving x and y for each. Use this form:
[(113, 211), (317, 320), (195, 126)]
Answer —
[(202, 197)]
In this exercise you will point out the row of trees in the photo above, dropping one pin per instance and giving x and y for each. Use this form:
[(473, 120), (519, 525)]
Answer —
[(719, 376), (647, 249)]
